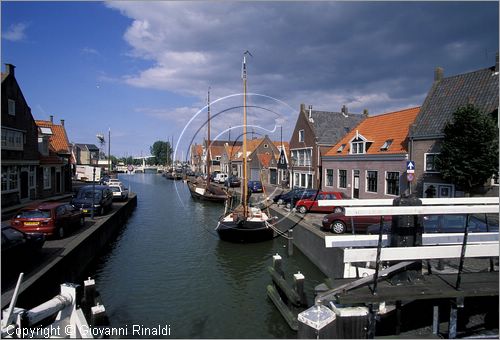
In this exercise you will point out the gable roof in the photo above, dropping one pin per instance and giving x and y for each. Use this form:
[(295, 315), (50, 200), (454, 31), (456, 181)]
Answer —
[(479, 88), (87, 147), (329, 127), (379, 129), (264, 159), (58, 140)]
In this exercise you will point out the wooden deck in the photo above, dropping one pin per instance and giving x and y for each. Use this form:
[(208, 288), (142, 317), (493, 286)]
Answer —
[(436, 286)]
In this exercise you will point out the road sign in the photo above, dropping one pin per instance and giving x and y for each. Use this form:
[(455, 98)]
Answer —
[(410, 167), (410, 177)]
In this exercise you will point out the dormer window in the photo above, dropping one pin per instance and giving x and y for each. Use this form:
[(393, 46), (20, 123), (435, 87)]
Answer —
[(358, 146), (386, 145), (301, 135), (341, 148)]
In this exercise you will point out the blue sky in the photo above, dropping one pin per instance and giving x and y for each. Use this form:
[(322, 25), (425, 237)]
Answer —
[(142, 69)]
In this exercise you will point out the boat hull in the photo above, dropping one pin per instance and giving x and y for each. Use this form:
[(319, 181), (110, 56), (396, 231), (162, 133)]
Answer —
[(244, 231), (207, 196)]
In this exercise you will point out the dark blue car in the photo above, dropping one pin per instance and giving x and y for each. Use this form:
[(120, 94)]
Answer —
[(255, 186)]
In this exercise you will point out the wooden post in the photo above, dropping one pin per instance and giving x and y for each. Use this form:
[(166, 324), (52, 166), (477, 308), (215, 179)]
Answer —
[(277, 265), (435, 320), (290, 242), (98, 315), (317, 322), (298, 284)]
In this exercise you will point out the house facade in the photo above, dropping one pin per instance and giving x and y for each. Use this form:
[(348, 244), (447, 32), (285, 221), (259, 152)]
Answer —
[(85, 154), (447, 94), (370, 161), (314, 134), (20, 159), (55, 158)]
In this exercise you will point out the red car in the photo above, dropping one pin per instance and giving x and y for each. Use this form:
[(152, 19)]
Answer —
[(311, 204), (51, 218), (338, 223)]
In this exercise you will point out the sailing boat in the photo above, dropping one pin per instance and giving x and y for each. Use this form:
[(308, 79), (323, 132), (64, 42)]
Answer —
[(204, 190), (244, 223)]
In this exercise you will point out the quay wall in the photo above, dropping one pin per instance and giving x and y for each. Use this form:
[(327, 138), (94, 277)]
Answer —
[(70, 262), (311, 243)]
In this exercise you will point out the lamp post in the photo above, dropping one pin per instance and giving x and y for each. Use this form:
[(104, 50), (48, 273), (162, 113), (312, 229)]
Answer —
[(293, 161), (93, 194)]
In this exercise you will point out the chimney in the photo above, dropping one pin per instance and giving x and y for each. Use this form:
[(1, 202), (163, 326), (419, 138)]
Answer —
[(310, 111), (496, 63), (62, 122), (344, 110), (302, 107), (365, 113), (51, 118), (9, 69), (438, 74)]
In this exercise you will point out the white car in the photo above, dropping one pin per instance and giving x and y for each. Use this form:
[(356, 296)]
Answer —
[(119, 192), (220, 178), (113, 181)]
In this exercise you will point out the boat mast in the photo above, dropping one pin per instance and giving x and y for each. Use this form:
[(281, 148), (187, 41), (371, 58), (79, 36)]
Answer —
[(245, 179), (208, 138)]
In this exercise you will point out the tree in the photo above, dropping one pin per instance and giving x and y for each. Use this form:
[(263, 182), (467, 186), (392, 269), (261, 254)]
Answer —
[(162, 152), (469, 152)]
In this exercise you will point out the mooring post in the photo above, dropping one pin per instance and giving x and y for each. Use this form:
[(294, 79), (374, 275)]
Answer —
[(98, 315), (290, 242), (298, 284), (452, 327), (277, 265), (89, 293), (317, 322), (435, 320)]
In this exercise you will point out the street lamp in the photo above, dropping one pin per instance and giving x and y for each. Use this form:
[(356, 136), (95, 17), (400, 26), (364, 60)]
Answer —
[(293, 161)]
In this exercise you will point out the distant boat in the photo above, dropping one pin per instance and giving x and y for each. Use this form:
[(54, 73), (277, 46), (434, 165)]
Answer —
[(245, 224), (202, 189)]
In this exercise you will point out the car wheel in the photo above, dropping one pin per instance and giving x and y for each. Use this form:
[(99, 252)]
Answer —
[(60, 232), (280, 201), (338, 227), (82, 221), (302, 209), (288, 205), (338, 210)]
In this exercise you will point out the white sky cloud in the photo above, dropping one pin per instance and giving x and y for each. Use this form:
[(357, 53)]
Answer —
[(15, 32)]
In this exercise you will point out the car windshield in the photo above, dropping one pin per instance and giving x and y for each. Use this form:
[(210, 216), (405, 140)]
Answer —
[(88, 194), (115, 189), (34, 214)]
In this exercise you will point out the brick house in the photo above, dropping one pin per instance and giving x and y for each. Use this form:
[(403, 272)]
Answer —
[(314, 134), (370, 161), (55, 158), (446, 95), (20, 157)]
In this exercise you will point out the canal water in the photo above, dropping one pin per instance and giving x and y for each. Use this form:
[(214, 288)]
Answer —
[(168, 268)]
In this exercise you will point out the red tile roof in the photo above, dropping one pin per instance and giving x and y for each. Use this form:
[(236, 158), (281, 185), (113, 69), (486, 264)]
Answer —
[(59, 140), (264, 159), (378, 129)]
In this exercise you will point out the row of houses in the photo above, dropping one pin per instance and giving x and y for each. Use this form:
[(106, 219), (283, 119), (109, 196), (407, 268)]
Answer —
[(360, 155), (38, 161)]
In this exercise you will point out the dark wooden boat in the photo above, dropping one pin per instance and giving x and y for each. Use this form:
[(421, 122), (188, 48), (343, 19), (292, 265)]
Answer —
[(245, 224), (201, 191)]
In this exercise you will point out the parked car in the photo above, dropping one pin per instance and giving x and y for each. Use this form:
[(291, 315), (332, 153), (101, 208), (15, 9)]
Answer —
[(311, 203), (255, 186), (338, 223), (101, 198), (51, 218), (104, 180), (119, 192), (446, 224), (16, 244), (112, 181), (232, 181), (295, 194), (213, 174)]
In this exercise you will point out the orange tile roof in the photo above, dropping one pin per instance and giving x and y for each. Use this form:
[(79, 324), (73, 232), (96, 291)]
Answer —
[(59, 140), (251, 146), (264, 159), (378, 129)]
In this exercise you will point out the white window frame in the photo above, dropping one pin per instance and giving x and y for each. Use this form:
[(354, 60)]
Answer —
[(326, 177), (338, 178), (301, 135), (9, 171), (12, 139), (386, 186), (425, 163), (12, 107), (367, 181), (47, 178)]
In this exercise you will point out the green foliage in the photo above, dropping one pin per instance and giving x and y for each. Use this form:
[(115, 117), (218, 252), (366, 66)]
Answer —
[(162, 152), (469, 153)]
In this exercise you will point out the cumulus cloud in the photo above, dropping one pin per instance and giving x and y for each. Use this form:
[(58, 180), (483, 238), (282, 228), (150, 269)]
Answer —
[(374, 55), (15, 32)]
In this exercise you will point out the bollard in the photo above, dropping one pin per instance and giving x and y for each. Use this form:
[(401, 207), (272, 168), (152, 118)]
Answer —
[(89, 293), (98, 316), (317, 322), (298, 284), (277, 265), (290, 242)]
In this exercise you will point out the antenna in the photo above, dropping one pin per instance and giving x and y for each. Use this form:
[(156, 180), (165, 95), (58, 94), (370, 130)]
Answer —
[(102, 142)]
